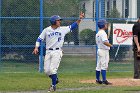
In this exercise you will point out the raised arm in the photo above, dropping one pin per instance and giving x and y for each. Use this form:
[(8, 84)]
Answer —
[(81, 16), (75, 24)]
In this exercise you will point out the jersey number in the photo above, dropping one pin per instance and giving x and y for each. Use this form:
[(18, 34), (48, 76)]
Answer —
[(59, 39)]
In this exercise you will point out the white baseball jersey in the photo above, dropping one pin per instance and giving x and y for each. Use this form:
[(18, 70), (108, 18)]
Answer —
[(101, 37), (54, 37)]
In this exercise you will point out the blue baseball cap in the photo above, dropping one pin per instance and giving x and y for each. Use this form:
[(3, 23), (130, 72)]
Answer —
[(102, 23), (54, 18)]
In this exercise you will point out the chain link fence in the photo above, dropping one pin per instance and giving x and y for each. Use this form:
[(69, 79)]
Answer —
[(21, 24)]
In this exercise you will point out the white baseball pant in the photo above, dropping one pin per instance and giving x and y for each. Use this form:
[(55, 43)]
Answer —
[(102, 59), (52, 61)]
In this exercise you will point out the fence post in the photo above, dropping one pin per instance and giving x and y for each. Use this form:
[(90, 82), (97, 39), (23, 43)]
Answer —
[(96, 19), (41, 28), (0, 34)]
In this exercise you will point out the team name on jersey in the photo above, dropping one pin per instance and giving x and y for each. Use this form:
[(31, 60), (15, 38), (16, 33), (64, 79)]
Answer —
[(54, 34)]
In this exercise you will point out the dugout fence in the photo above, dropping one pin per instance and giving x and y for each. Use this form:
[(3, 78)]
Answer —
[(21, 21)]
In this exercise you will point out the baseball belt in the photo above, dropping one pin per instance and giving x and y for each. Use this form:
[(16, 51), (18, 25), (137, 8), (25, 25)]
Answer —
[(53, 49)]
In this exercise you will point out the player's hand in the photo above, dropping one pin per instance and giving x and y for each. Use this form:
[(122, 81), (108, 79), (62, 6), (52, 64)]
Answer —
[(35, 51), (82, 15), (112, 47)]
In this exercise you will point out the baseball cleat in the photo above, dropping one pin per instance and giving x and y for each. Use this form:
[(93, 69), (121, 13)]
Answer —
[(52, 88), (106, 82), (99, 82)]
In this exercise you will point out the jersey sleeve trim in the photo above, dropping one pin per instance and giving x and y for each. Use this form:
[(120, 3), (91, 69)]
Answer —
[(38, 41)]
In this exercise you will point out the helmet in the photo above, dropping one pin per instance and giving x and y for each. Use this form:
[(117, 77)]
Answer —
[(54, 18), (101, 23)]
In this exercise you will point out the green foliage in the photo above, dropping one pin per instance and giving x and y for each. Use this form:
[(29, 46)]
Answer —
[(25, 31), (88, 36), (20, 8), (68, 37), (20, 31), (64, 8), (114, 13)]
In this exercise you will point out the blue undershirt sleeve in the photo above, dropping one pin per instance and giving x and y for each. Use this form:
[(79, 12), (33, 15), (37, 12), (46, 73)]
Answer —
[(73, 26)]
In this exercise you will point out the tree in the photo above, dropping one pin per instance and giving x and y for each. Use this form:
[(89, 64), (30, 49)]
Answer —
[(114, 13), (19, 31), (64, 8)]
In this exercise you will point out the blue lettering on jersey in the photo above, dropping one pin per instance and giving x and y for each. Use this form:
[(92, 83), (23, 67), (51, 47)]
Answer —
[(59, 39), (54, 33)]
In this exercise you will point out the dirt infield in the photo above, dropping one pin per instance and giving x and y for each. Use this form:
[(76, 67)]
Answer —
[(119, 82)]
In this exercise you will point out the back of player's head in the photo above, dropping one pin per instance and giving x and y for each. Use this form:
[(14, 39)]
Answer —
[(102, 23), (54, 18)]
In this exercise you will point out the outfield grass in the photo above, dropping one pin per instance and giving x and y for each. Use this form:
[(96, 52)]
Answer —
[(15, 76), (69, 83), (69, 64)]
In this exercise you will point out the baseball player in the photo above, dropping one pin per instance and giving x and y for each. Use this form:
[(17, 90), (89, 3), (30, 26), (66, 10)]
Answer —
[(103, 46), (54, 37)]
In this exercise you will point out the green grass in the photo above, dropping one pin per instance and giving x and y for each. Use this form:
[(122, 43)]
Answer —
[(15, 66), (17, 76), (38, 81)]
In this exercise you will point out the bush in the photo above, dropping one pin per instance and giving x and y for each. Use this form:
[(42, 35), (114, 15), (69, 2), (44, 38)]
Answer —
[(88, 36)]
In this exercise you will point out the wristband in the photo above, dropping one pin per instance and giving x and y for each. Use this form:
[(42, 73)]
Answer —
[(37, 44)]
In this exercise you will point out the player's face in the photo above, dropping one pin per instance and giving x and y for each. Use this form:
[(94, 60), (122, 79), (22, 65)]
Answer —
[(58, 22), (106, 26)]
